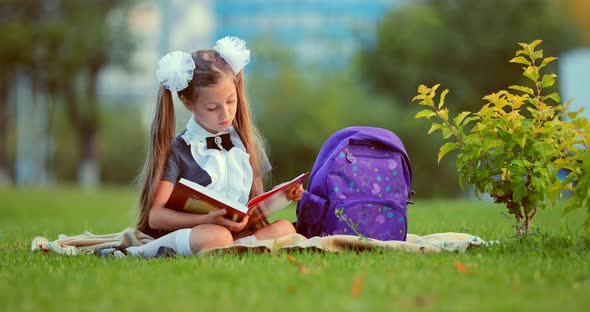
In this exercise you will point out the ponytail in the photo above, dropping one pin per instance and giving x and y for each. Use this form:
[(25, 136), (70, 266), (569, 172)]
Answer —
[(250, 136), (162, 132)]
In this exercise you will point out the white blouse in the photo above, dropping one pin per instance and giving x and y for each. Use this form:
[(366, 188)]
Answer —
[(230, 171)]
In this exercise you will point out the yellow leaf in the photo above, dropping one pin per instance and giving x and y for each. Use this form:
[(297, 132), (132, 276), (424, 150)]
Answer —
[(547, 60), (447, 147), (433, 128), (520, 60), (536, 43), (444, 114), (422, 89), (441, 101), (522, 89), (433, 90), (357, 285)]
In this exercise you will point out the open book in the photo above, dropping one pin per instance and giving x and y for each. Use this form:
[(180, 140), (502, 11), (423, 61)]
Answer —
[(188, 196)]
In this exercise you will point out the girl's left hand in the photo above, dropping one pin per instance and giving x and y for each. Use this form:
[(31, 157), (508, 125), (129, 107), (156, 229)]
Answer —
[(295, 192)]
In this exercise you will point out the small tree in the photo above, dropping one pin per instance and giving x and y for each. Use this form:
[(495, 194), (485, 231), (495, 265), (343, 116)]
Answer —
[(576, 164), (514, 145)]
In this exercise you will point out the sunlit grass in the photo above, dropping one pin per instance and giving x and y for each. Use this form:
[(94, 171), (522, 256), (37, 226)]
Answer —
[(549, 271)]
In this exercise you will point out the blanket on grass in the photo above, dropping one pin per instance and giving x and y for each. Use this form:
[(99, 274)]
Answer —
[(88, 243)]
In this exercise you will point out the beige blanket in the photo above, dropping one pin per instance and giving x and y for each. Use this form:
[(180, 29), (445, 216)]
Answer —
[(88, 243)]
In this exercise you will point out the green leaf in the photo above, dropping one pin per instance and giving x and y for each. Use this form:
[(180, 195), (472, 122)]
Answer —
[(426, 113), (469, 119), (447, 147), (570, 205), (434, 127), (520, 60), (446, 132), (522, 89), (554, 96), (532, 72), (522, 141), (547, 60), (519, 189), (547, 81), (537, 54), (575, 114), (459, 119)]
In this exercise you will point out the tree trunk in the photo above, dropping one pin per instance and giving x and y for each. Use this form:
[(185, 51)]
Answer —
[(88, 170), (4, 172)]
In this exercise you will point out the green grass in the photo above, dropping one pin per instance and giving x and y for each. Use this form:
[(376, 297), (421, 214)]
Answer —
[(550, 271)]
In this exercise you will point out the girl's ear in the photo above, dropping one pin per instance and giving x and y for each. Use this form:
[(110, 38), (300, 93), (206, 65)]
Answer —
[(186, 102)]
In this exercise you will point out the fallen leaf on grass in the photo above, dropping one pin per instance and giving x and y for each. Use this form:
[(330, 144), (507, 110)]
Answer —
[(357, 284), (423, 301), (291, 289), (417, 301), (300, 265), (461, 267)]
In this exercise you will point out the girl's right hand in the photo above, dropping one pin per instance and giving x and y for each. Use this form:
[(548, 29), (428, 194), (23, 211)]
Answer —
[(217, 217)]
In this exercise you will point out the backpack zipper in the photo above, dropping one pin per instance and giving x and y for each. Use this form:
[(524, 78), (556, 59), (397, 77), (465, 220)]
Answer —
[(350, 158)]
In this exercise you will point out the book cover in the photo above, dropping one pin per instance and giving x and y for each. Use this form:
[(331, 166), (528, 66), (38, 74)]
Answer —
[(188, 196)]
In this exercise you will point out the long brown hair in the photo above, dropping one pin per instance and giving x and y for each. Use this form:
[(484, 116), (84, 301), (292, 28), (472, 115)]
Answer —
[(210, 68)]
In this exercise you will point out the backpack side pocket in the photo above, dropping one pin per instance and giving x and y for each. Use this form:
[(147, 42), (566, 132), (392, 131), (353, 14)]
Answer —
[(379, 219), (310, 212)]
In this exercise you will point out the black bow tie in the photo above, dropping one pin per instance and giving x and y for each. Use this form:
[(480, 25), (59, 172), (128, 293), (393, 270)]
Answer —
[(215, 141)]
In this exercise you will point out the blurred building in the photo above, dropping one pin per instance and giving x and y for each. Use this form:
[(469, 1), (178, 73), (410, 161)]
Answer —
[(160, 26), (324, 32), (574, 67)]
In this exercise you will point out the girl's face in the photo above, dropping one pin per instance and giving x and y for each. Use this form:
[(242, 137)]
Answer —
[(215, 108)]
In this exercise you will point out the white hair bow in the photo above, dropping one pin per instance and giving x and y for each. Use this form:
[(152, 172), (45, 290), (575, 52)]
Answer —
[(175, 70), (233, 50)]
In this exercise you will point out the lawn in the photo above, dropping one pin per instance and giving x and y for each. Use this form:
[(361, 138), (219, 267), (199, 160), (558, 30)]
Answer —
[(548, 272)]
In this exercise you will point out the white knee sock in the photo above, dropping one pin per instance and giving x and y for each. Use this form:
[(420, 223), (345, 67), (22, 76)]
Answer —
[(178, 240)]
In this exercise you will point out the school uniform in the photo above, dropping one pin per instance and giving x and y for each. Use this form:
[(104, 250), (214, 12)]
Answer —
[(217, 161)]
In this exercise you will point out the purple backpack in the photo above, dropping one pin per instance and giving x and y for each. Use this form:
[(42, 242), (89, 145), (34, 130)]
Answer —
[(365, 174)]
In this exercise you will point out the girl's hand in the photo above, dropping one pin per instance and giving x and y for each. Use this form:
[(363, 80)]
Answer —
[(295, 192), (217, 217)]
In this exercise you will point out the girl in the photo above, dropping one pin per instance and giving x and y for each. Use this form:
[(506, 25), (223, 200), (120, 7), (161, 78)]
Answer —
[(220, 149)]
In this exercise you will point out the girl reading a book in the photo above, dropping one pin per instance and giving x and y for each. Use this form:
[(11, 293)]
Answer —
[(219, 149)]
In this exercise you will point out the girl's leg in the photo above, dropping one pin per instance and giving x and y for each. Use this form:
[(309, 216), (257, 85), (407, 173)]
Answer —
[(186, 241), (206, 236), (177, 240), (276, 229)]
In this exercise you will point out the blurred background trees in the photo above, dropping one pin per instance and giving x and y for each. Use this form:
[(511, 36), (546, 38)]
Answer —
[(465, 46), (54, 51)]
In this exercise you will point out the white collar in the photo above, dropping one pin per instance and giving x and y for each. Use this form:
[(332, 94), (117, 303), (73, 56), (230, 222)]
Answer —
[(220, 163), (194, 131)]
